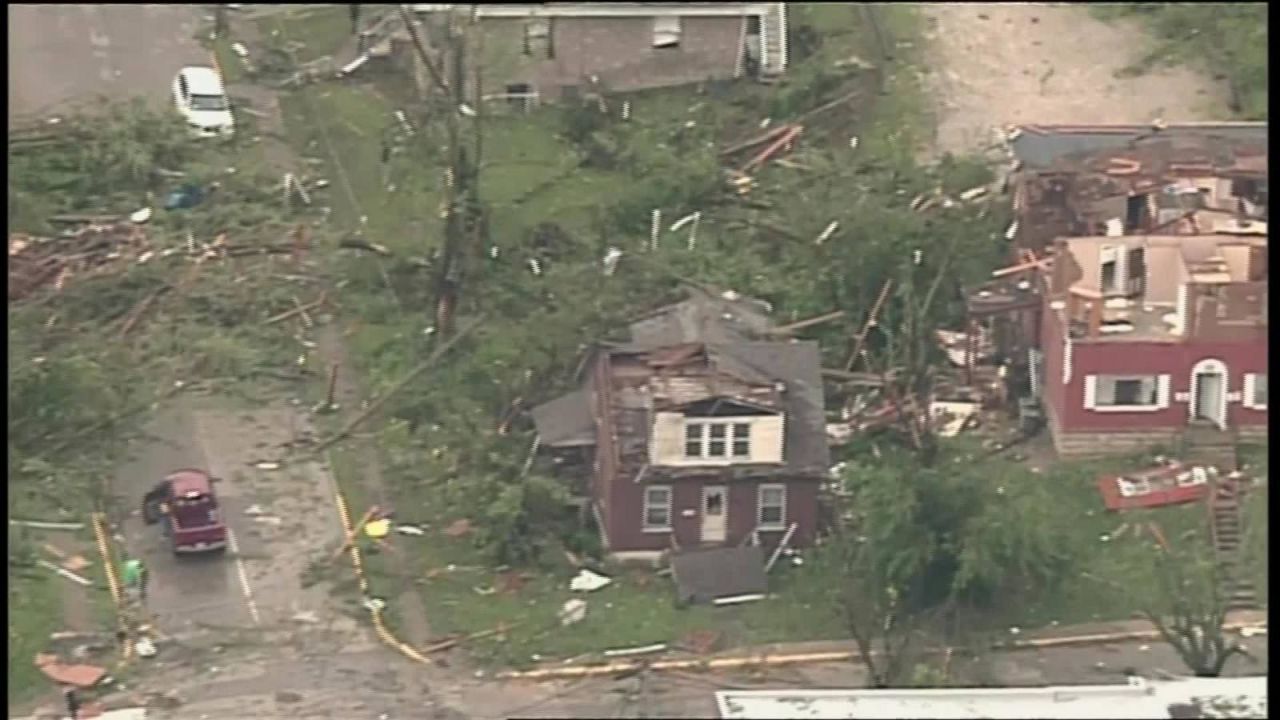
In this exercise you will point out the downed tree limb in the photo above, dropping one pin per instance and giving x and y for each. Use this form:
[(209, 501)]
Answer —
[(443, 645), (354, 244), (435, 355), (866, 327), (827, 106), (299, 310), (140, 309)]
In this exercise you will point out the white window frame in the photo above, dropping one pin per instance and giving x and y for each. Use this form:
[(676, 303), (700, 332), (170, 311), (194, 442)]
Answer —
[(667, 31), (1091, 383), (760, 506), (649, 504), (1248, 397), (730, 438)]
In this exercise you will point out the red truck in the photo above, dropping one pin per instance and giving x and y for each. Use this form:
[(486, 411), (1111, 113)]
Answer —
[(187, 505)]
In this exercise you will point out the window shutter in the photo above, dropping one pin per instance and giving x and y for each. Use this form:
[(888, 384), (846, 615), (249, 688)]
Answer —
[(767, 435), (666, 446), (1091, 391), (1162, 391), (1249, 381)]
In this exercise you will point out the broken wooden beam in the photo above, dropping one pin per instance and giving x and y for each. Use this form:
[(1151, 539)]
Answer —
[(1015, 269), (299, 310), (745, 144), (763, 157), (801, 324), (866, 327)]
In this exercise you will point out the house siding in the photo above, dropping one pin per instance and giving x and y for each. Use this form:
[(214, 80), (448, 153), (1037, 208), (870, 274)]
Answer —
[(628, 535), (618, 51), (1078, 430)]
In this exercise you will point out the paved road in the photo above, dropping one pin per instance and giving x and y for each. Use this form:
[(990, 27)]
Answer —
[(62, 56)]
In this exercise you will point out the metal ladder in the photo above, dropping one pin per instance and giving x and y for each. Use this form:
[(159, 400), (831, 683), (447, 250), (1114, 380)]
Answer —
[(773, 40)]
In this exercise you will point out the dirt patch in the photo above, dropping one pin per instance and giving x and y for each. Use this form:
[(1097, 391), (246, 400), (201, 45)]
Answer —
[(998, 64)]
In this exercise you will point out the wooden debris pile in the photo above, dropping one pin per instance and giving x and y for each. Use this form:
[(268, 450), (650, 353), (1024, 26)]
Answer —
[(94, 249)]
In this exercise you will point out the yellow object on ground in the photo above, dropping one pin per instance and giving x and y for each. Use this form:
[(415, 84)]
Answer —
[(377, 529)]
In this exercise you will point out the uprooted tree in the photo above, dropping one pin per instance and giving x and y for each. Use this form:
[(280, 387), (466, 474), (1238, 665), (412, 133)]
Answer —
[(921, 548)]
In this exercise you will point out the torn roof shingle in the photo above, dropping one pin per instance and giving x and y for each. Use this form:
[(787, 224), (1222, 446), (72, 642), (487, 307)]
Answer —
[(566, 421)]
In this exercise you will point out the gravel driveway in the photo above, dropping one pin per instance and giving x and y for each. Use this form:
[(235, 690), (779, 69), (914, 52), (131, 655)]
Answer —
[(996, 64)]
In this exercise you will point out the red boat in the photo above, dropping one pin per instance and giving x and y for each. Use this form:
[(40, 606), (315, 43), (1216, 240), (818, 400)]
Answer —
[(1172, 484)]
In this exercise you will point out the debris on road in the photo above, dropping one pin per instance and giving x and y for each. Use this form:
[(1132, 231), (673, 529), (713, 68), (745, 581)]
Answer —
[(65, 573), (83, 676), (145, 648), (254, 510), (573, 611), (267, 465), (640, 650), (374, 604), (410, 530), (306, 617), (587, 581), (43, 525)]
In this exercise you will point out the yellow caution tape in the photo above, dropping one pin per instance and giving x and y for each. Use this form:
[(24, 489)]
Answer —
[(375, 612), (113, 583)]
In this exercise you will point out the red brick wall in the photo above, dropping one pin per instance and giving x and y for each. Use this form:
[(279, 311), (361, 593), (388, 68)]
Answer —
[(627, 517), (1173, 359)]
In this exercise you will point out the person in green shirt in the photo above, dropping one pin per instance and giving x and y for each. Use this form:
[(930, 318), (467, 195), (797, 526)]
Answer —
[(135, 577)]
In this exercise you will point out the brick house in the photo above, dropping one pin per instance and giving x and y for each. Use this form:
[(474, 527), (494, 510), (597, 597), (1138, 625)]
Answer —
[(696, 432), (551, 51), (1155, 340), (1123, 181)]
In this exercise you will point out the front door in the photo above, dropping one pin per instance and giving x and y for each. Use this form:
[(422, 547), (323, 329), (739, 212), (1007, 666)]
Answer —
[(715, 501), (1208, 397)]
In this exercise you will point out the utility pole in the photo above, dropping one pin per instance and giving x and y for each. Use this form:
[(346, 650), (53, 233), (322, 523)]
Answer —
[(465, 222)]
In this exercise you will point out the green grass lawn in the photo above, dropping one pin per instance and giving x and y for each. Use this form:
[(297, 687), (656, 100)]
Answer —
[(533, 175)]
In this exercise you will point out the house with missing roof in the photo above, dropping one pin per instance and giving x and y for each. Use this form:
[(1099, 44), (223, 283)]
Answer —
[(1156, 340), (546, 52), (1136, 300), (703, 430)]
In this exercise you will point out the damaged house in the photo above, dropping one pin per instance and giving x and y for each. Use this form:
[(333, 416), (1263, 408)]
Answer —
[(1072, 181), (1156, 340), (545, 52), (698, 432), (1122, 181)]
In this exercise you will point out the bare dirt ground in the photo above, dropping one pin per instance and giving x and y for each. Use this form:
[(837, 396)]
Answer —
[(62, 56), (997, 64)]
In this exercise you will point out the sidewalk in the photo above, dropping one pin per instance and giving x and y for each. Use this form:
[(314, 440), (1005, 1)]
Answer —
[(838, 650)]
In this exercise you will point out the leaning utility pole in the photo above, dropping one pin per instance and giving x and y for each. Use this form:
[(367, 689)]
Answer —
[(464, 217)]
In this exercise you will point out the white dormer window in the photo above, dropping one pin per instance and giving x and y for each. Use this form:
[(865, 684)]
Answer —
[(678, 440), (717, 439)]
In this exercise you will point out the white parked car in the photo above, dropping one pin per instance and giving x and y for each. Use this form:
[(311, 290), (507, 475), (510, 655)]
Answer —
[(198, 93)]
